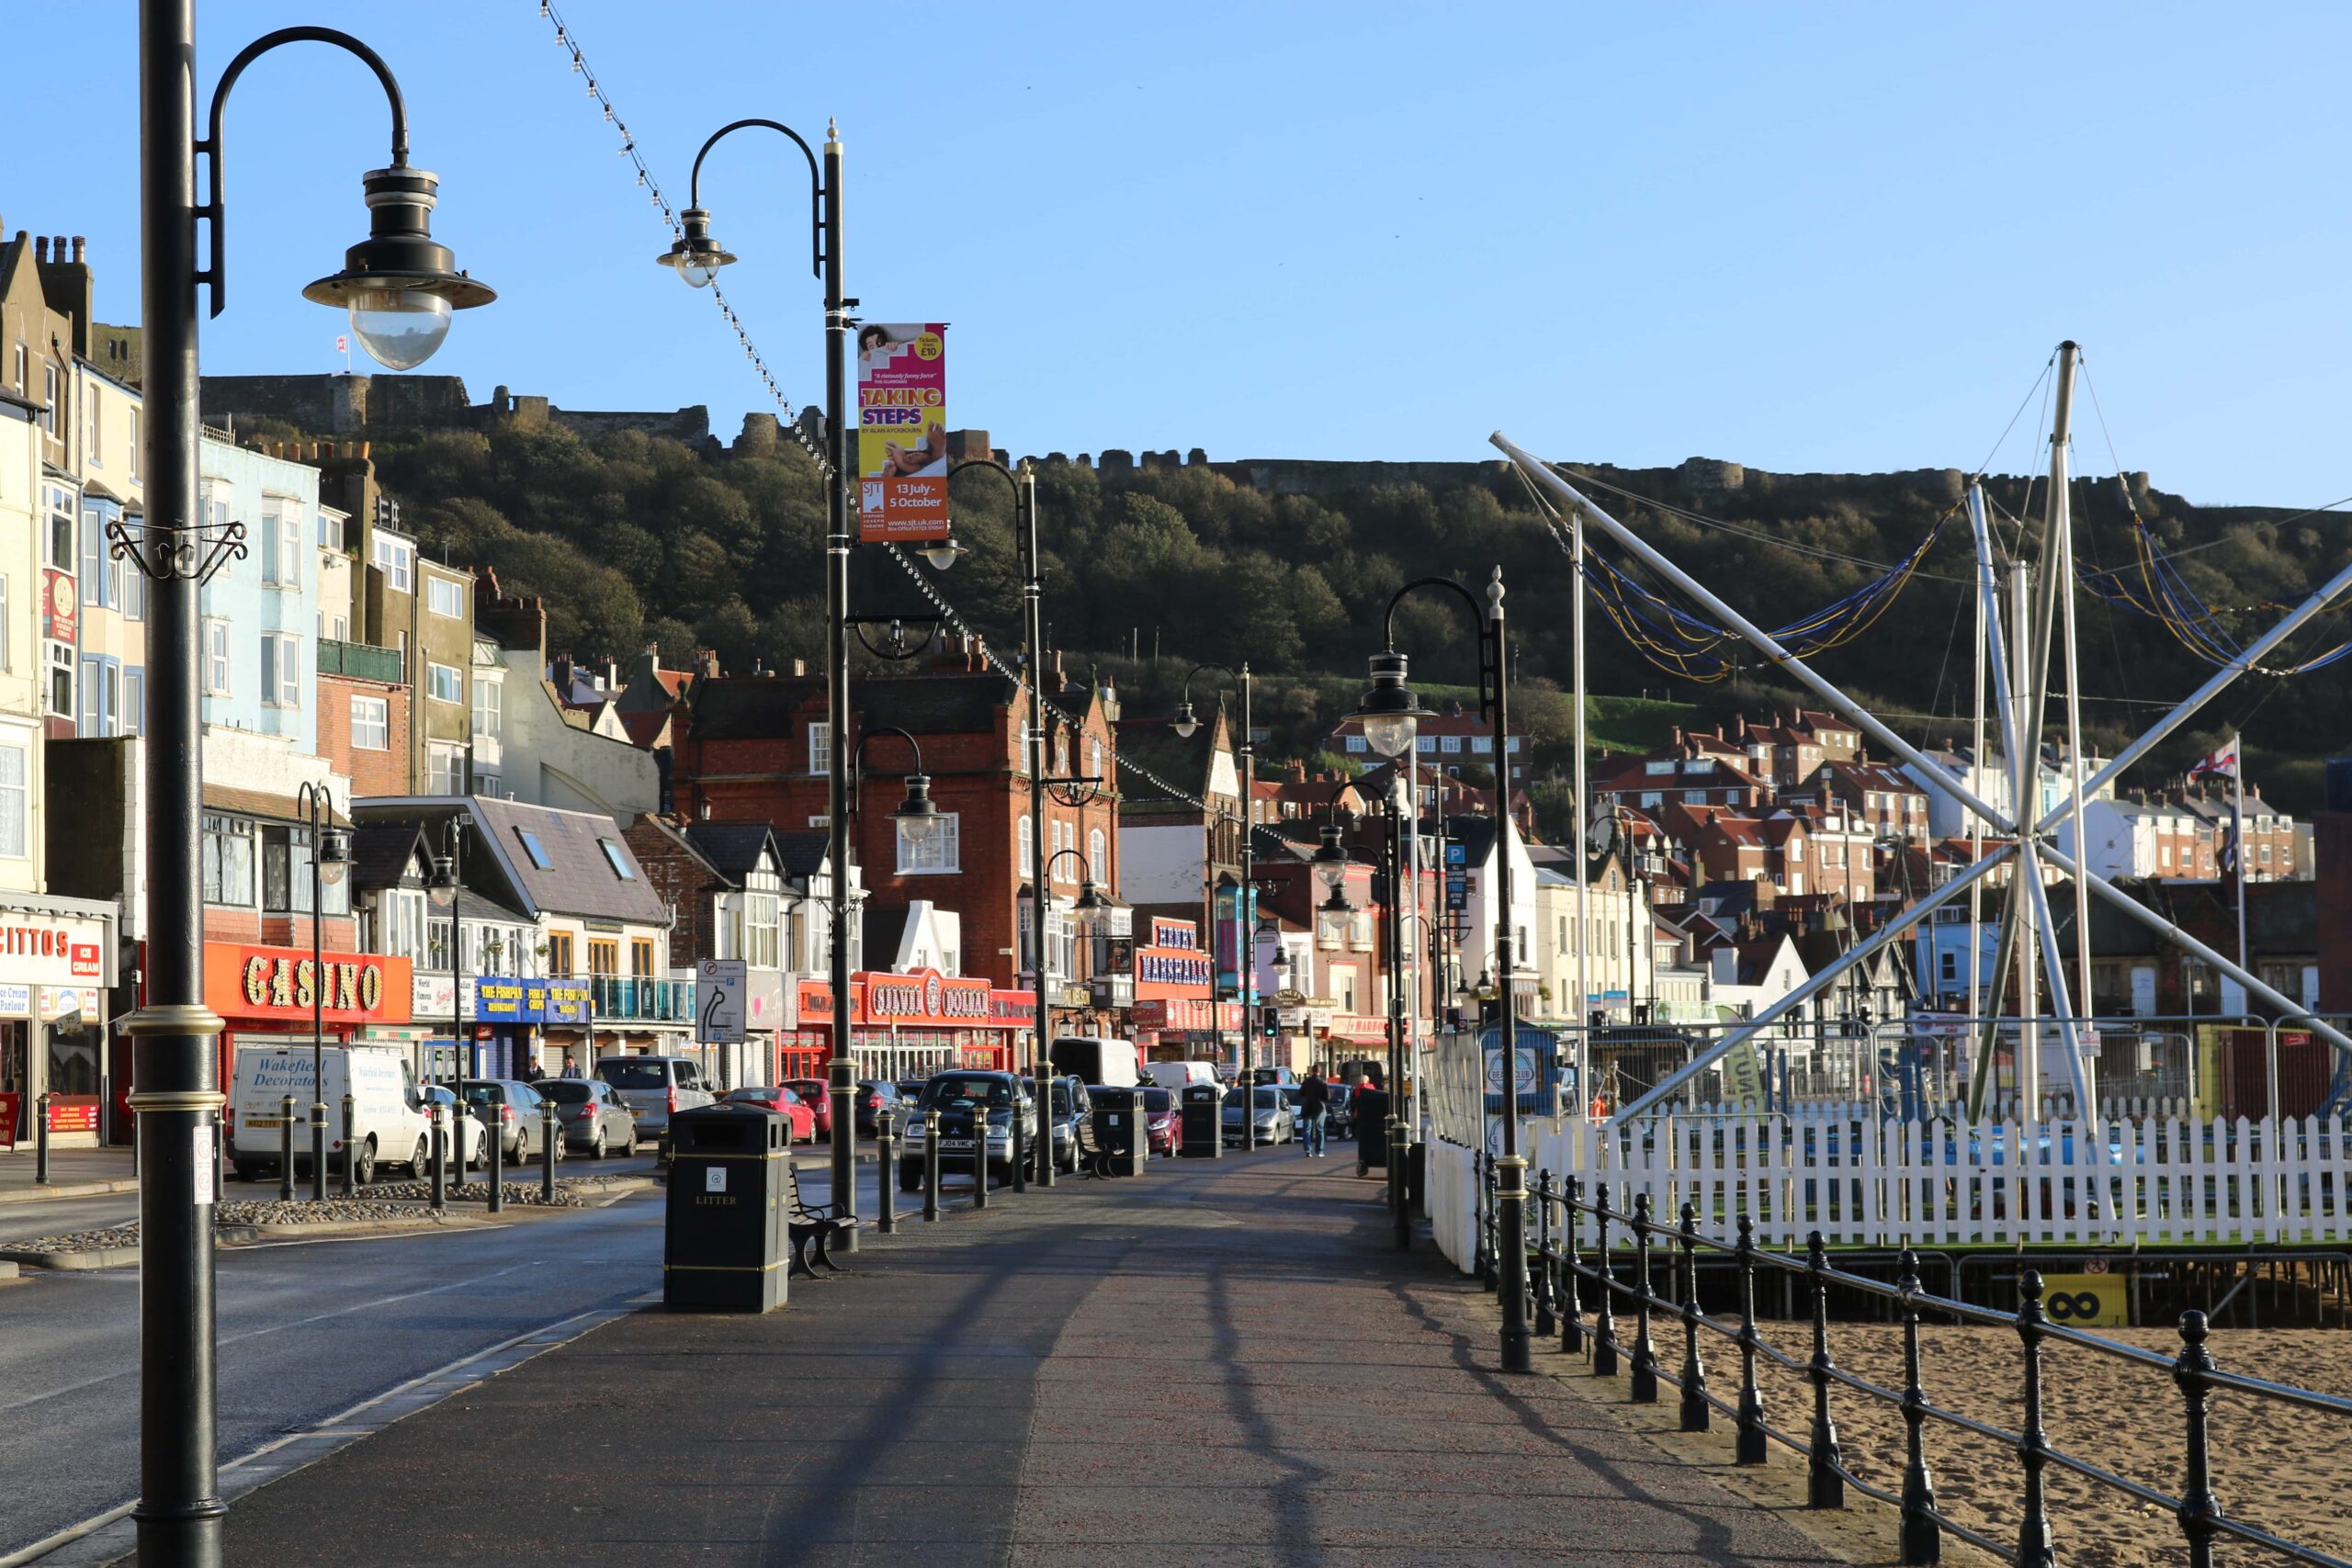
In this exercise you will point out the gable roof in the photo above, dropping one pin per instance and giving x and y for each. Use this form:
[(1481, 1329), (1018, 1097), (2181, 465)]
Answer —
[(578, 879), (802, 854), (734, 848)]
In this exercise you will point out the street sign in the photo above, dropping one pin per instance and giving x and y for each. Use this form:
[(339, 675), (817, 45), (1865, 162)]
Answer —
[(719, 985)]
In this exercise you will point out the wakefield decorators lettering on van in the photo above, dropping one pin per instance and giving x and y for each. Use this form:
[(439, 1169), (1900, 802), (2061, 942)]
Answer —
[(249, 982)]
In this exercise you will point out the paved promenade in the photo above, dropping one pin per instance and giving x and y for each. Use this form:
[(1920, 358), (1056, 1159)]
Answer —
[(1213, 1364)]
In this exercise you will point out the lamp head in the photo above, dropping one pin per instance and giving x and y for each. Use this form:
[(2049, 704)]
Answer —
[(696, 256), (443, 887), (397, 284), (942, 553), (1186, 722), (334, 855), (918, 815), (1391, 714), (1330, 859)]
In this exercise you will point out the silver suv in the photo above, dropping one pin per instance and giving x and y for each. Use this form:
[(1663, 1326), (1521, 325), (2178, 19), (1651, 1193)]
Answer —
[(655, 1089)]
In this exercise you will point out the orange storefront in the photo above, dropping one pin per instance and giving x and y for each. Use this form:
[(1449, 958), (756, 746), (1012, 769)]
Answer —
[(905, 1026), (264, 994)]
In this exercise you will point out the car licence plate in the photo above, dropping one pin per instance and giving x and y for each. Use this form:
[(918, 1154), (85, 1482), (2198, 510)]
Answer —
[(636, 1113), (955, 1142)]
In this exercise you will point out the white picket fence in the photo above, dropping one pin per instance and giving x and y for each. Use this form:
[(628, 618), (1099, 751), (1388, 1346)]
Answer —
[(1862, 1181)]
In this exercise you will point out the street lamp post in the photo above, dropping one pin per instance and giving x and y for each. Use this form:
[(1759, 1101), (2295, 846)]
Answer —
[(1245, 939), (697, 258), (399, 288), (448, 877), (1391, 717), (1092, 910), (917, 818), (1078, 790), (329, 853)]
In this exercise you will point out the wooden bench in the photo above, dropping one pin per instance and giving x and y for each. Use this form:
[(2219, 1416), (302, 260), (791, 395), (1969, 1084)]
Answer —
[(811, 1225)]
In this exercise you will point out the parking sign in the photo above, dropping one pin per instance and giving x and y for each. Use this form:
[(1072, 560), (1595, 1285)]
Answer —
[(719, 985)]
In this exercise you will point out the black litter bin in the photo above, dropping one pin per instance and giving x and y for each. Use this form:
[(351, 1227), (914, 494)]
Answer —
[(1119, 1131), (726, 1239), (1201, 1122)]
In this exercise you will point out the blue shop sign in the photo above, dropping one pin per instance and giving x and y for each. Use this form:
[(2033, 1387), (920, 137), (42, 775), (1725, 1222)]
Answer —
[(499, 999)]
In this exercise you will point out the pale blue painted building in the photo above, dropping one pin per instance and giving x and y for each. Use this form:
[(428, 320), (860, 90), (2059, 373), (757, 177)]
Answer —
[(258, 648)]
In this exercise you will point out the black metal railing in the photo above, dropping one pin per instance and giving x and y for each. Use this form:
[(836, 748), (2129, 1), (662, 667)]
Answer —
[(1564, 1270)]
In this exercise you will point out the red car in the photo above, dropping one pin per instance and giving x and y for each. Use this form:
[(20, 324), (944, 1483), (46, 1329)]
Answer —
[(785, 1103), (1160, 1120), (813, 1095)]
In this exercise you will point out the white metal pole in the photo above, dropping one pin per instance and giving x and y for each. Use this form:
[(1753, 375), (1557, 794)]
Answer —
[(2025, 789)]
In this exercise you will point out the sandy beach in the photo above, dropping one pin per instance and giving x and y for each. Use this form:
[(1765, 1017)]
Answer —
[(2285, 1469)]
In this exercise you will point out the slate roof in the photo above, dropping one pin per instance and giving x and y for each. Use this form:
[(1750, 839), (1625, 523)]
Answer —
[(733, 849), (578, 879), (261, 803), (382, 853), (802, 854), (886, 927)]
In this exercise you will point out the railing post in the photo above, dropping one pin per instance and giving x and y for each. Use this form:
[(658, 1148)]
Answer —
[(2034, 1549), (1543, 1263), (1571, 1265), (496, 1174), (886, 1172), (1922, 1541), (1483, 1251), (440, 1189), (41, 1139), (931, 1164), (1696, 1413), (1643, 1387), (2199, 1506), (1605, 1311), (1824, 1487), (350, 1147), (1753, 1443), (285, 1148), (548, 1133)]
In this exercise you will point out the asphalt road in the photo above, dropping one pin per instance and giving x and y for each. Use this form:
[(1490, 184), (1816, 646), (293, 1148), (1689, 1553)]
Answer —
[(307, 1330)]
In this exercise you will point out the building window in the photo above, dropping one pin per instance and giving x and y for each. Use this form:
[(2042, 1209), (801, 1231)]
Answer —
[(760, 929), (285, 874), (281, 675), (101, 697), (604, 957), (1449, 743), (216, 658), (936, 855), (371, 724), (49, 400), (487, 784), (396, 558), (559, 948), (330, 532), (61, 680), (1095, 864), (1096, 769), (13, 802), (445, 682), (532, 847), (444, 770), (228, 861), (61, 528), (1028, 838), (93, 569), (445, 596), (281, 544), (820, 748), (22, 361), (641, 957), (488, 698), (7, 642), (618, 861), (134, 702), (1357, 744), (133, 455)]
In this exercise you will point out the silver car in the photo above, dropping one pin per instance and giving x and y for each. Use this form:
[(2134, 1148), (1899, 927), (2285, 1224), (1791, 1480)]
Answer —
[(593, 1119), (1275, 1123), (655, 1089)]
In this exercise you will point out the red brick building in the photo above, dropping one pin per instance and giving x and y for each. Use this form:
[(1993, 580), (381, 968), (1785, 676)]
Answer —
[(758, 749), (364, 727)]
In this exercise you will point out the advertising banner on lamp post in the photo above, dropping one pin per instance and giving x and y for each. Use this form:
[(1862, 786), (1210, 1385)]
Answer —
[(902, 432)]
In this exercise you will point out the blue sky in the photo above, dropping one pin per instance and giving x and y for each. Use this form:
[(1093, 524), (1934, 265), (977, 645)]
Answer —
[(1803, 237)]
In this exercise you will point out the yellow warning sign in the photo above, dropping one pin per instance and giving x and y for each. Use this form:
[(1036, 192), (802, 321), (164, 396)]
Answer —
[(2086, 1301)]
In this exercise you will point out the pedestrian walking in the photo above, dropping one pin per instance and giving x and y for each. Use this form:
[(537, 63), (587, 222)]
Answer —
[(1314, 1105)]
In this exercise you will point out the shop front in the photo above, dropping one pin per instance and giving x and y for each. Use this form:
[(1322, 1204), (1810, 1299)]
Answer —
[(56, 963), (1175, 992), (908, 1026), (263, 995)]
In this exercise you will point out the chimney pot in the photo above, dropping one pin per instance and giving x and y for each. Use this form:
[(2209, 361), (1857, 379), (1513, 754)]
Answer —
[(77, 249), (41, 249)]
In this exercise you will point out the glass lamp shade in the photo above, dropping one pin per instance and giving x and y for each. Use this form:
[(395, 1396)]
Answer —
[(1391, 735), (700, 269), (918, 815), (942, 553), (1186, 722), (400, 328), (1330, 861)]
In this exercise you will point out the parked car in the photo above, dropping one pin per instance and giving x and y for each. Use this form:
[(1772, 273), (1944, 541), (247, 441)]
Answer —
[(975, 1110), (1280, 1076), (1071, 1102), (873, 1097), (512, 1108), (469, 1150), (595, 1120), (1176, 1075), (910, 1090), (656, 1088), (813, 1094), (784, 1102), (1275, 1123), (1161, 1123)]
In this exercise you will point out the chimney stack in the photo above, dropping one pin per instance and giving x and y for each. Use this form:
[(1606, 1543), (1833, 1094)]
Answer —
[(78, 253), (41, 248)]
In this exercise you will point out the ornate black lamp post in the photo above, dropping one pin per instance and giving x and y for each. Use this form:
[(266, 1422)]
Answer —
[(399, 287), (330, 856), (1245, 957), (1391, 716)]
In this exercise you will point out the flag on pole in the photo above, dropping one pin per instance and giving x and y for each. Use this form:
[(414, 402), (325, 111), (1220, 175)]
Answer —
[(341, 343), (2222, 763)]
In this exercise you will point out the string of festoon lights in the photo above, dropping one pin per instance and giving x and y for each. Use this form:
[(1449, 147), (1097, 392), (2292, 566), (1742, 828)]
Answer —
[(569, 41)]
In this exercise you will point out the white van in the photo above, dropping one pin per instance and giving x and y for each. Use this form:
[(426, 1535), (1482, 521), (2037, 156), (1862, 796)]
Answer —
[(1100, 1059), (1173, 1076), (388, 1122)]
